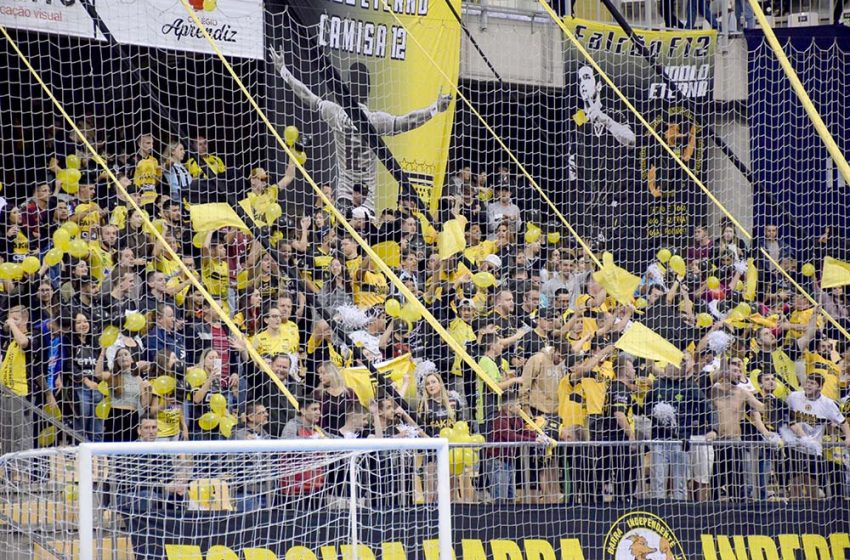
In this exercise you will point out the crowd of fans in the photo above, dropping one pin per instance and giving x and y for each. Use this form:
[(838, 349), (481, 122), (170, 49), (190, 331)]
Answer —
[(755, 410)]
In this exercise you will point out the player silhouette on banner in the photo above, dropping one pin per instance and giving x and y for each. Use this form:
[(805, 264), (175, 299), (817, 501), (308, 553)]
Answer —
[(356, 163)]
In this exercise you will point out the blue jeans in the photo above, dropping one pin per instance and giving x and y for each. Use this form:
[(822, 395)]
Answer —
[(87, 424), (668, 459), (501, 479)]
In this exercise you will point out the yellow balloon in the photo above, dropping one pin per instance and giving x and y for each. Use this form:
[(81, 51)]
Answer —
[(461, 428), (808, 270), (677, 265), (532, 233), (72, 162), (70, 180), (218, 404), (135, 322), (163, 385), (477, 438), (103, 388), (553, 237), (640, 303), (392, 307), (16, 271), (79, 249), (196, 377), (72, 228), (208, 421), (744, 309), (31, 265), (483, 279), (226, 424), (300, 156), (410, 312), (61, 239), (53, 257), (7, 271), (103, 408), (448, 434), (108, 336), (456, 461), (291, 135), (704, 320), (664, 255), (210, 5), (712, 282), (273, 212)]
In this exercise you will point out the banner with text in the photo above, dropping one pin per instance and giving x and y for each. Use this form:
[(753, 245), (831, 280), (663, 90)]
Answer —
[(396, 79), (64, 18), (712, 531), (236, 25), (630, 192)]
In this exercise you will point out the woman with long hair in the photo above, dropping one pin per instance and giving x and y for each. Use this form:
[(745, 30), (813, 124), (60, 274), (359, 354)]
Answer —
[(129, 393), (178, 177), (198, 399), (334, 397), (82, 361), (336, 290)]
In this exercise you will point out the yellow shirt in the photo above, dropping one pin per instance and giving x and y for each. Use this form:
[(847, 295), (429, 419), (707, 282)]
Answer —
[(168, 420), (20, 247), (13, 370), (119, 216), (462, 332), (370, 290), (259, 203), (571, 407), (216, 276), (93, 219), (101, 261), (800, 318), (286, 342)]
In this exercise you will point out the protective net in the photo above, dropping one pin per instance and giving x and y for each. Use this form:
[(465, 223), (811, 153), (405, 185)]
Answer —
[(633, 305)]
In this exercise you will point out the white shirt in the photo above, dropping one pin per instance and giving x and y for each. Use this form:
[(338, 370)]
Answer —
[(812, 416)]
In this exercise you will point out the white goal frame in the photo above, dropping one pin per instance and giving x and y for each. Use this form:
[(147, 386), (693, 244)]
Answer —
[(87, 452)]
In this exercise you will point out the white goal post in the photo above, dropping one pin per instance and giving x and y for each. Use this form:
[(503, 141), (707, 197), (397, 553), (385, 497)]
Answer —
[(89, 452)]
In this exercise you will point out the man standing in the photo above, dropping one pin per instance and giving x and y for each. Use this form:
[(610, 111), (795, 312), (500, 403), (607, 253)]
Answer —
[(810, 413), (678, 410)]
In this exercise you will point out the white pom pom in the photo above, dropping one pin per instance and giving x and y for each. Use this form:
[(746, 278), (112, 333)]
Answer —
[(351, 317), (719, 341), (741, 266), (665, 415), (423, 368)]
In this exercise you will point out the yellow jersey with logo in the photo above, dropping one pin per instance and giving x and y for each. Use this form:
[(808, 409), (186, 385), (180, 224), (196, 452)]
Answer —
[(216, 276), (91, 220), (168, 420), (370, 289), (285, 342)]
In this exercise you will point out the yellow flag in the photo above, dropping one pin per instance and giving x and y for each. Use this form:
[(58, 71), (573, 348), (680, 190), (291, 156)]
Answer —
[(429, 234), (396, 369), (215, 215), (451, 240), (752, 280), (785, 369), (359, 380), (618, 282), (641, 341), (835, 273)]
